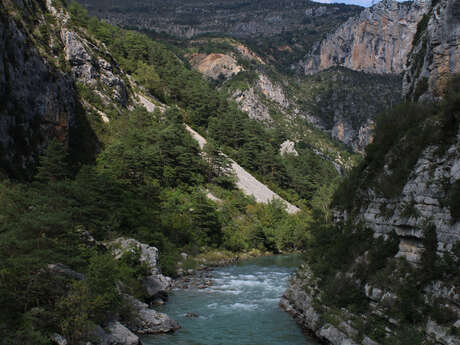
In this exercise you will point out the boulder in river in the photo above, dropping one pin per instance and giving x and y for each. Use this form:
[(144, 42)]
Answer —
[(191, 315)]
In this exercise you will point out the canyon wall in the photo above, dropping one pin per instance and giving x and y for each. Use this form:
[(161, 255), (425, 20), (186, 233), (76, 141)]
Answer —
[(377, 41)]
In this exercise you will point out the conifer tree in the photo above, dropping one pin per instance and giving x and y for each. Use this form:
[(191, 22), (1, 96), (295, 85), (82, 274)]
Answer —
[(54, 165)]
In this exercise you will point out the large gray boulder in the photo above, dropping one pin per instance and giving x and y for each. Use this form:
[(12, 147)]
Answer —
[(147, 254), (149, 321), (155, 283), (114, 334)]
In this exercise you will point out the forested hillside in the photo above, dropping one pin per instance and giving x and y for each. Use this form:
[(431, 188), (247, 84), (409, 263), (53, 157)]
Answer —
[(105, 168)]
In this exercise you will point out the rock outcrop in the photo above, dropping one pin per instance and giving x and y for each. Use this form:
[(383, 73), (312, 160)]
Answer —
[(435, 55), (240, 18), (149, 321), (376, 41), (114, 334), (215, 66), (155, 282), (257, 99), (288, 147)]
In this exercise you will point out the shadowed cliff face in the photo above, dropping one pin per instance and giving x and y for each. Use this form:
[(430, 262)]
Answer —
[(377, 41), (45, 65), (37, 100)]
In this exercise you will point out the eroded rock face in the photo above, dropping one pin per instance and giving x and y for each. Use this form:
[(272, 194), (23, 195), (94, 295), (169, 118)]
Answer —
[(38, 97), (193, 18), (255, 99), (436, 56), (216, 66), (420, 203), (377, 41), (90, 68)]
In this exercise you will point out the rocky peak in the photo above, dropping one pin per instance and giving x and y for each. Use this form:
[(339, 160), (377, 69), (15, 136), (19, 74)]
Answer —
[(376, 41)]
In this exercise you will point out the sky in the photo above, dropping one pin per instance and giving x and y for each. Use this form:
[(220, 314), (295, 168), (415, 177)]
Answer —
[(365, 3)]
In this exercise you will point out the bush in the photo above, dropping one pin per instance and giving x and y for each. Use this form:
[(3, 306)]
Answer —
[(342, 292)]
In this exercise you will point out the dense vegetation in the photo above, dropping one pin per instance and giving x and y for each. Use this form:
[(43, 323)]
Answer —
[(345, 256), (405, 131), (253, 146)]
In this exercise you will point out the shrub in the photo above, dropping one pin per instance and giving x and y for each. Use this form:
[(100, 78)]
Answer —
[(342, 292), (453, 200)]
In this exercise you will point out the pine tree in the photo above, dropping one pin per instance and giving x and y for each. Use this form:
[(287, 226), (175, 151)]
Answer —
[(54, 165)]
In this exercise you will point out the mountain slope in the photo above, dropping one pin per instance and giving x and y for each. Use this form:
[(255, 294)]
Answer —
[(383, 264), (282, 30)]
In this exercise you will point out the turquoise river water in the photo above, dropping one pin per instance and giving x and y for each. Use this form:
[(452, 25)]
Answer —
[(240, 308)]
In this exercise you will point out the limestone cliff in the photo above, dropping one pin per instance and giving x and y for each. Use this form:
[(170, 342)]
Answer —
[(435, 55), (377, 41)]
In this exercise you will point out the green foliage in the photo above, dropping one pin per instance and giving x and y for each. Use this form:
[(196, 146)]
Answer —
[(54, 164), (405, 336), (429, 256), (453, 200), (441, 314), (409, 307), (333, 247), (342, 292), (382, 250), (421, 28), (401, 135)]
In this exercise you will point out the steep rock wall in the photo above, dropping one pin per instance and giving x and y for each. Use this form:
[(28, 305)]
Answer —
[(37, 100), (436, 54), (377, 41), (42, 59)]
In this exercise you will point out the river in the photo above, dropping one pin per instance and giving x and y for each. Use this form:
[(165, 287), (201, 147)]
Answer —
[(240, 308)]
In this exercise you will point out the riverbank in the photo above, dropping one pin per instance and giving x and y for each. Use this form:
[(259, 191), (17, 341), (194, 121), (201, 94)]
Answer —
[(196, 272), (215, 258)]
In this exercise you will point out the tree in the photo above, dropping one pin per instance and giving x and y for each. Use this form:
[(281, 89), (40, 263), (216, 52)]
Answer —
[(219, 164), (53, 164)]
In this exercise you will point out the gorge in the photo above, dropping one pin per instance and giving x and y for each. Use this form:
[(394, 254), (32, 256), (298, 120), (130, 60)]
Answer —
[(145, 144)]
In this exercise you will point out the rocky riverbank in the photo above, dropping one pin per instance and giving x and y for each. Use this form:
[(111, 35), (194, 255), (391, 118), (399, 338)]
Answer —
[(196, 272), (142, 318)]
